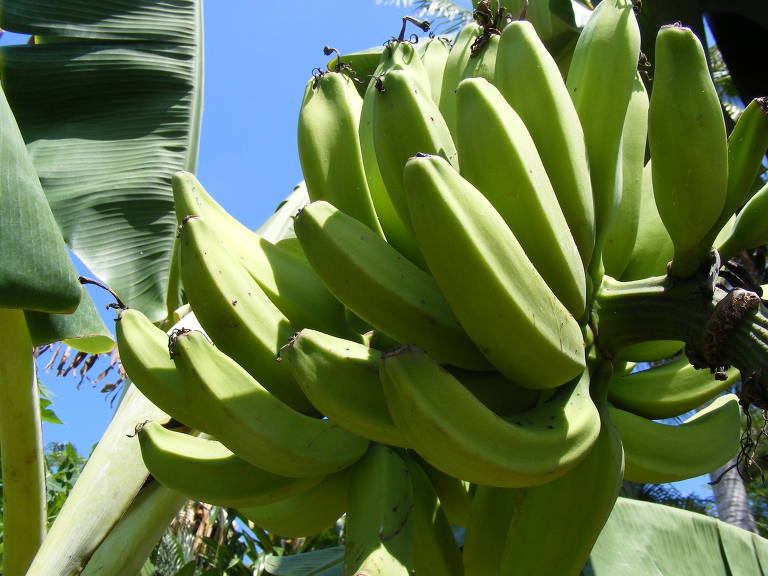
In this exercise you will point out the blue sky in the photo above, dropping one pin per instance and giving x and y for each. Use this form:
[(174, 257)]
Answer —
[(258, 57)]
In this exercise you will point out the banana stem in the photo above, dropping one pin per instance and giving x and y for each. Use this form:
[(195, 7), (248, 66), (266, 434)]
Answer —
[(719, 329), (21, 446)]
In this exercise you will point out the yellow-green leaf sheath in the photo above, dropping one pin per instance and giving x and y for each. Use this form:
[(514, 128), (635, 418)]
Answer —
[(529, 79), (686, 134), (381, 286), (498, 156), (496, 293), (329, 146)]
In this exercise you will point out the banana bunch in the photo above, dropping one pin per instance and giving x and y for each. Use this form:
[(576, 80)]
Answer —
[(436, 346)]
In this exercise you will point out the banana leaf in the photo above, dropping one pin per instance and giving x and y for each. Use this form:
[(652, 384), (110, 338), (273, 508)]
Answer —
[(327, 562), (652, 539), (108, 100), (35, 270)]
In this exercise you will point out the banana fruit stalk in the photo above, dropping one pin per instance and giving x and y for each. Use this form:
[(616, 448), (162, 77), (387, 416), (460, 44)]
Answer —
[(533, 447), (686, 135), (496, 293)]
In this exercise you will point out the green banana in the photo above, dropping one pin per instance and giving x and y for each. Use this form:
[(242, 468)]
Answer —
[(653, 248), (529, 79), (686, 135), (435, 550), (341, 379), (496, 293), (668, 390), (379, 523), (650, 351), (622, 232), (656, 453), (282, 273), (253, 423), (600, 81), (747, 144), (566, 515), (307, 513), (406, 121), (207, 471), (235, 312), (533, 447), (489, 519), (329, 146), (497, 392), (396, 56), (454, 494), (750, 229), (381, 286), (454, 70), (144, 355), (517, 185), (434, 54)]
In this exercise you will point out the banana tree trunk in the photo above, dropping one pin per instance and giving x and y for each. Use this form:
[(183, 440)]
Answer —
[(21, 447), (731, 497)]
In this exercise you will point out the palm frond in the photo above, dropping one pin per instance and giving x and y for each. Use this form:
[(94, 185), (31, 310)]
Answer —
[(445, 16)]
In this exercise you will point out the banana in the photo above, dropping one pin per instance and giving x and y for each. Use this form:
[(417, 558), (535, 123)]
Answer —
[(406, 121), (454, 494), (205, 470), (235, 312), (496, 293), (600, 80), (379, 523), (144, 355), (529, 79), (381, 286), (431, 408), (517, 185), (282, 273), (489, 519), (497, 392), (396, 56), (307, 513), (749, 230), (622, 232), (435, 550), (454, 70), (653, 248), (668, 390), (656, 453), (566, 515), (341, 379), (254, 424), (434, 54), (747, 144), (686, 134), (329, 146), (650, 351)]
